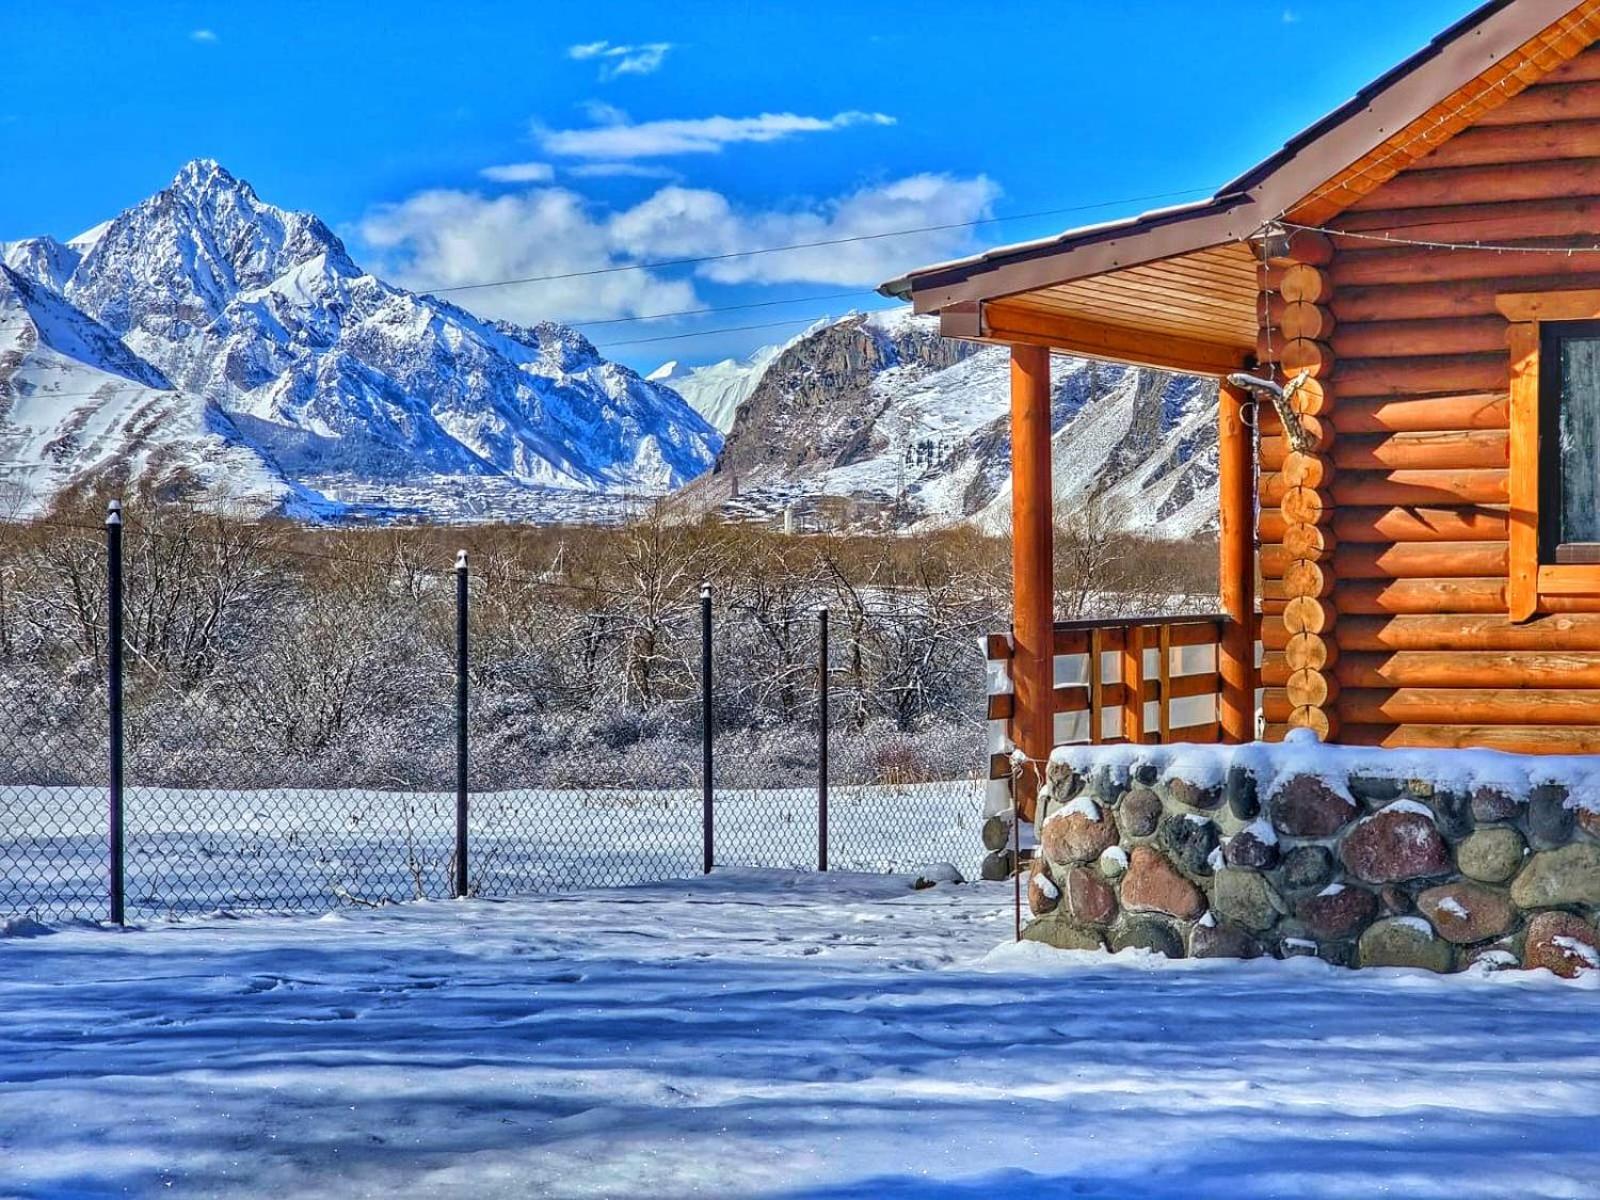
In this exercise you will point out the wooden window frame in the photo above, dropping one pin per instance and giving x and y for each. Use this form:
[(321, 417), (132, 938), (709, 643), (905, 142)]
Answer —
[(1532, 582)]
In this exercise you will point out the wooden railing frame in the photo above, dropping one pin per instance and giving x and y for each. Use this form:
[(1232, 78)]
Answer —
[(1129, 637)]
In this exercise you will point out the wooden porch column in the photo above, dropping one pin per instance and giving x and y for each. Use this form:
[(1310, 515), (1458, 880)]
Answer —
[(1032, 569), (1236, 656)]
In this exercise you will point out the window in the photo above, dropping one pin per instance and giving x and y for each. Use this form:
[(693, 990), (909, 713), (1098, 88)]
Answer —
[(1569, 442), (1553, 533)]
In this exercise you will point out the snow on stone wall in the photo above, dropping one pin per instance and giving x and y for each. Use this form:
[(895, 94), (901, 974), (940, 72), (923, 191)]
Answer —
[(1434, 859)]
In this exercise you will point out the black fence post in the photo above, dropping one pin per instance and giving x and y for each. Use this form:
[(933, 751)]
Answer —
[(706, 729), (114, 706), (823, 681), (461, 887)]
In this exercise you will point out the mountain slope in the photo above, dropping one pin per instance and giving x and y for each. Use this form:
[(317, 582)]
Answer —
[(76, 404), (354, 394), (877, 420), (716, 391)]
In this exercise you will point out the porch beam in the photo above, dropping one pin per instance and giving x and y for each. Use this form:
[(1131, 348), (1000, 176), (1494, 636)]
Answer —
[(1236, 656), (1011, 324), (1032, 569)]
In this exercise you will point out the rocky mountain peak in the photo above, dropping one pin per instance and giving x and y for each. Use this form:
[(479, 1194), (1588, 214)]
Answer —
[(342, 391), (171, 263)]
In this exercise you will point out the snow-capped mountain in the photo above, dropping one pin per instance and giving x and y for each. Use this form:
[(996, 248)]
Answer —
[(717, 390), (876, 420), (341, 393)]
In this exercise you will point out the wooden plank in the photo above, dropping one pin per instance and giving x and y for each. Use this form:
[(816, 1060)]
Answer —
[(1418, 188), (1418, 265), (1420, 523), (1206, 735), (1133, 686), (1236, 567), (1472, 706), (1164, 682), (1577, 305), (1014, 324), (1410, 339), (1438, 414), (1574, 669), (1567, 216), (1463, 298), (1420, 560), (1515, 739), (1401, 487), (997, 647), (1097, 699), (1000, 706), (1441, 375), (1547, 102), (1561, 631), (1076, 698), (1455, 449), (1538, 141), (1361, 596), (1568, 579), (1522, 590)]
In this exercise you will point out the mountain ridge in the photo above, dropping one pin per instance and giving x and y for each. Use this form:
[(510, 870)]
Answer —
[(354, 397)]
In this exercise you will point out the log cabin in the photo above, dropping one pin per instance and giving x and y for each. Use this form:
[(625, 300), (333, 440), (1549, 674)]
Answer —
[(1409, 534)]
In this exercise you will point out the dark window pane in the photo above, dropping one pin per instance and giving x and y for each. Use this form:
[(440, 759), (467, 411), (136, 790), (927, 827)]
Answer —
[(1580, 439)]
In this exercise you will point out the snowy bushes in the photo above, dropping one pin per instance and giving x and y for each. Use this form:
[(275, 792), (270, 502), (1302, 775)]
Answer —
[(269, 654)]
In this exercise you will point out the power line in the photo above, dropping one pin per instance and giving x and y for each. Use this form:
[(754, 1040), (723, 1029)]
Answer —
[(694, 312), (673, 337), (842, 241), (1383, 236)]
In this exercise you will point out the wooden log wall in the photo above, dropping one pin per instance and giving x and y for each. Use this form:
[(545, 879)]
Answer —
[(1299, 487), (1384, 555)]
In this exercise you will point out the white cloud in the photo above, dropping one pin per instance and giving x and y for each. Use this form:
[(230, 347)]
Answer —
[(624, 139), (527, 172), (614, 170), (444, 238), (681, 222), (643, 59), (203, 35)]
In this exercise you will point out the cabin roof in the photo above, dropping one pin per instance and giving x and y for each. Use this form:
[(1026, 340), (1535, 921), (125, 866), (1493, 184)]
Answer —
[(1186, 272)]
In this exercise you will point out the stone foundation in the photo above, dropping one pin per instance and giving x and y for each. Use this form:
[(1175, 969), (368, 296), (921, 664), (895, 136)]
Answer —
[(1438, 860)]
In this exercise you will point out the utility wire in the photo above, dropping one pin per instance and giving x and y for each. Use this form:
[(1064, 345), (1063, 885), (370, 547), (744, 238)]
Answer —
[(695, 312), (673, 337), (1387, 238)]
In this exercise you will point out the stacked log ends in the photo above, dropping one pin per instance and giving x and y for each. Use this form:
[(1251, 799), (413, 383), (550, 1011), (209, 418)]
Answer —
[(1296, 337)]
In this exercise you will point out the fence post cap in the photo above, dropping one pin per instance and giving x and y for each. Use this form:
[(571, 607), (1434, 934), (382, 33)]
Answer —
[(705, 589), (114, 512), (461, 560)]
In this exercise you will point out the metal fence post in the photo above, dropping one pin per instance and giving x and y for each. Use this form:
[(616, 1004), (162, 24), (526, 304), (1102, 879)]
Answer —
[(114, 707), (461, 886), (706, 729), (823, 682)]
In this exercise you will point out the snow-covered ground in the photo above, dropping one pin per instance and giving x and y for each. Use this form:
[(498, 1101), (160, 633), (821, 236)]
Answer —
[(766, 1034)]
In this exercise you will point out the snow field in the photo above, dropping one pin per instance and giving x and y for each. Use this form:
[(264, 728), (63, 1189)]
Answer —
[(766, 1034)]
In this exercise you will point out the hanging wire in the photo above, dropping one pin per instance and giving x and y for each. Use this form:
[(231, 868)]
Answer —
[(1386, 238)]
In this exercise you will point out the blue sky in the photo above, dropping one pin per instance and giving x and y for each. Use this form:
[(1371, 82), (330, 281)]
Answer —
[(472, 141)]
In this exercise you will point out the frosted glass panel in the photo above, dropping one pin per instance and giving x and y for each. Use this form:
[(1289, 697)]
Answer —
[(1580, 439)]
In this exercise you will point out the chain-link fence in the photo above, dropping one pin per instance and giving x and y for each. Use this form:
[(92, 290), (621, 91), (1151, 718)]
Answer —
[(291, 735)]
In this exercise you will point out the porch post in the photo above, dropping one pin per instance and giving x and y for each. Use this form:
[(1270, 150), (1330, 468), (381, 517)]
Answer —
[(1236, 656), (1032, 569)]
